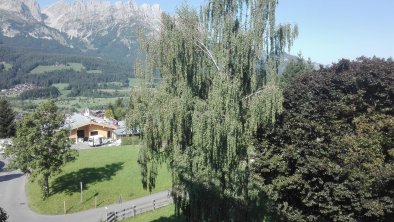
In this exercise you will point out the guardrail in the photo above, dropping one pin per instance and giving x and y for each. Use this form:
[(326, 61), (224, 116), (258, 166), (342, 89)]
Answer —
[(135, 210)]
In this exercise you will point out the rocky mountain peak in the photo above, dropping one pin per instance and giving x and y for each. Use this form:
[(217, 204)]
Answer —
[(26, 9), (94, 27), (85, 13)]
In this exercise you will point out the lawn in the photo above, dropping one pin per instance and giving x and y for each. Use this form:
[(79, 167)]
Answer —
[(65, 103), (7, 66), (78, 67), (134, 82), (62, 87), (81, 103), (165, 214), (107, 173), (43, 69), (124, 92), (94, 71)]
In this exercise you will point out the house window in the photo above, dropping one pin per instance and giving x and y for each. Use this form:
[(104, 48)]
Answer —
[(80, 133), (94, 133), (108, 134)]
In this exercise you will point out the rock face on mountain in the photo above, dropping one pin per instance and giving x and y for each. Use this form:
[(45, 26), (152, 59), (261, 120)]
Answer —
[(99, 23), (25, 9), (21, 23), (88, 26)]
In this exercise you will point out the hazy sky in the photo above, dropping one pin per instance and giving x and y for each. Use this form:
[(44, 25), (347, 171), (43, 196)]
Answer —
[(329, 29)]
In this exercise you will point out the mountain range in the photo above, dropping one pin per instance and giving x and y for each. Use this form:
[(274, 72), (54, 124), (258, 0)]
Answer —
[(89, 27)]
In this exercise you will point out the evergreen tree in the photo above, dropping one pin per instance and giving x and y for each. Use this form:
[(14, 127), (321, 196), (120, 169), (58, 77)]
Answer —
[(7, 119), (219, 83), (40, 146), (118, 109), (295, 68)]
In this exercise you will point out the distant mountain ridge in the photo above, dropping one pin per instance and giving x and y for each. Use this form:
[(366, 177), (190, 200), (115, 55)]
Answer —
[(27, 9), (91, 27)]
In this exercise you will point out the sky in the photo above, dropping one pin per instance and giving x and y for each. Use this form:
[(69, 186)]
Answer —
[(329, 29)]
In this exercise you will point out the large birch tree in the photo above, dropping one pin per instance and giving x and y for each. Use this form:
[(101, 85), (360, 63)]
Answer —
[(217, 69)]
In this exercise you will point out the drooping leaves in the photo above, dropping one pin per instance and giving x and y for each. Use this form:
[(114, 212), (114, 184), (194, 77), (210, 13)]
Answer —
[(218, 83)]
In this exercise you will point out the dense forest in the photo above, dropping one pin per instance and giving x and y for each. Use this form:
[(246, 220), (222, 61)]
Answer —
[(45, 92), (80, 81)]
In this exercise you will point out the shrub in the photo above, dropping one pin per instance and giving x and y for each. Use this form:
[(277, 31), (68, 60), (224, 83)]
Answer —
[(130, 140), (3, 215)]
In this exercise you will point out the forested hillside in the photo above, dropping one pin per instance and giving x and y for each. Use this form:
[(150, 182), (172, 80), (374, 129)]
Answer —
[(52, 68)]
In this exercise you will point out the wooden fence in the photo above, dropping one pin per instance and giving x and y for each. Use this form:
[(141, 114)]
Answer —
[(135, 210)]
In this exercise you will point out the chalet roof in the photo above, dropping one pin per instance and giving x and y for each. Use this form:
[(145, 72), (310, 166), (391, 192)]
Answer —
[(78, 120), (94, 123)]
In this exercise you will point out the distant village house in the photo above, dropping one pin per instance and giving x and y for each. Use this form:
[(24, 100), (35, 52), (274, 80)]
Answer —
[(85, 125)]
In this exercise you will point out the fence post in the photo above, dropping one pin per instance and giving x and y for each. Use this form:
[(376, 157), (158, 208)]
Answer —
[(154, 205), (134, 210), (95, 202), (106, 214), (64, 207), (81, 190)]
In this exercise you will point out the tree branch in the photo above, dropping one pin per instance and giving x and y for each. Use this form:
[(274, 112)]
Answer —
[(208, 52)]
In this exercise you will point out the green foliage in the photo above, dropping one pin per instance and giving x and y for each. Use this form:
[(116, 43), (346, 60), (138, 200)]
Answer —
[(40, 93), (40, 146), (24, 61), (330, 156), (3, 215), (295, 68), (213, 95), (109, 114), (130, 140), (7, 119), (118, 109)]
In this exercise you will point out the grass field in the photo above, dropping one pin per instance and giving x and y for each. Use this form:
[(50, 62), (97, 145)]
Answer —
[(122, 91), (7, 66), (106, 173), (94, 71), (165, 214), (81, 103), (69, 66), (65, 103), (134, 82)]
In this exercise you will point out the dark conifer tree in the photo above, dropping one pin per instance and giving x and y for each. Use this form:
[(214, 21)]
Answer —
[(7, 119)]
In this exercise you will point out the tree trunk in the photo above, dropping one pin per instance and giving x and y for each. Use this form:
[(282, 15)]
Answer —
[(46, 185)]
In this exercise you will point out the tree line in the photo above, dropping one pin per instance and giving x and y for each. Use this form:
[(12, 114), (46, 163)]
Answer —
[(25, 60), (47, 92), (245, 144)]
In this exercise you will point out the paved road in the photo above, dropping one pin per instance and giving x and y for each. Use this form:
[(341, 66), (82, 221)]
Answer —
[(13, 200)]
